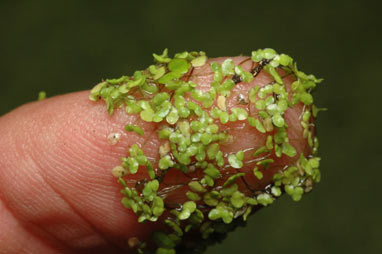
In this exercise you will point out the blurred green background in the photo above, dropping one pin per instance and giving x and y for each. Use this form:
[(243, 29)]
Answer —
[(65, 46)]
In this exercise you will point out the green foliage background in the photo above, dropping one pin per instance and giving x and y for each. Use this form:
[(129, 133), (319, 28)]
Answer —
[(65, 46)]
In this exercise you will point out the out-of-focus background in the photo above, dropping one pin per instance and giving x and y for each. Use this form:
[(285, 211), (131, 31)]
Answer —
[(66, 46)]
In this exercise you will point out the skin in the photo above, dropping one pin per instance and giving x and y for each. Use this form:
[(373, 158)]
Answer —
[(57, 194)]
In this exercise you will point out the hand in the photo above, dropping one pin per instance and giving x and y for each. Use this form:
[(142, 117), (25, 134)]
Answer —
[(57, 193)]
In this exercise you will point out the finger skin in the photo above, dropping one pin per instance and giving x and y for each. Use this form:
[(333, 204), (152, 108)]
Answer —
[(56, 190), (56, 172)]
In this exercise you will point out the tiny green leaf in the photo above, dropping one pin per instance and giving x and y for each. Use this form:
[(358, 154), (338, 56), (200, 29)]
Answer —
[(135, 128), (132, 165), (288, 149), (257, 124), (228, 67), (212, 172), (233, 179), (258, 173), (269, 53), (199, 61), (211, 198), (196, 186), (212, 151), (178, 65), (187, 209), (42, 96), (165, 162), (278, 120), (162, 58), (237, 199), (265, 199), (240, 113), (192, 196), (147, 115), (234, 161)]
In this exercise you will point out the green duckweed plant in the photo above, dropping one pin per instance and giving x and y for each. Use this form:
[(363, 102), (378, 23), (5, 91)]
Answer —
[(191, 142)]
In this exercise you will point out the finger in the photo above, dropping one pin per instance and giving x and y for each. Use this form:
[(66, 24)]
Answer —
[(56, 178), (56, 162)]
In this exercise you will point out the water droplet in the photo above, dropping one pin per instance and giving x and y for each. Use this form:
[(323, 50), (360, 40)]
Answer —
[(241, 99), (113, 138)]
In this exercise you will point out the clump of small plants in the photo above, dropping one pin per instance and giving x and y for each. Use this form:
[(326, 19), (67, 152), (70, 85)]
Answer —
[(190, 126)]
